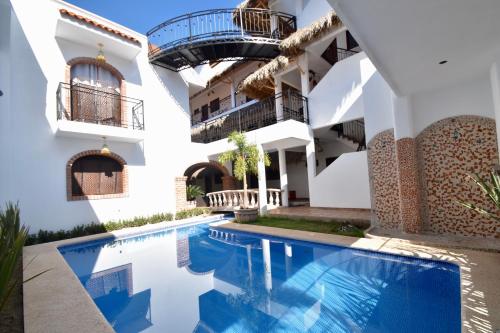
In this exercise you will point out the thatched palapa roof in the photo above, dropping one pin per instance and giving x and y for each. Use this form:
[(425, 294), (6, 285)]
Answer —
[(263, 4), (260, 84), (294, 44), (252, 19), (220, 76)]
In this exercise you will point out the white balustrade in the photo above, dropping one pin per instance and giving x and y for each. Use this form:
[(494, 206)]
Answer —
[(233, 199)]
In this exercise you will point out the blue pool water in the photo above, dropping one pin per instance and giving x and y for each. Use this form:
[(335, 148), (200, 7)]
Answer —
[(203, 279)]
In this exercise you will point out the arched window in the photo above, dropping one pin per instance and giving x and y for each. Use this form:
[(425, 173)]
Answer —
[(95, 92), (93, 176)]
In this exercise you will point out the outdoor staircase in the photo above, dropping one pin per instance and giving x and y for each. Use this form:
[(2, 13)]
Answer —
[(353, 131)]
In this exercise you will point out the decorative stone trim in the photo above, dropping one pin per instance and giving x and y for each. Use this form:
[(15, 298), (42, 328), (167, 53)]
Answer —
[(409, 189), (447, 150), (69, 178), (214, 164), (107, 66), (180, 193), (384, 187)]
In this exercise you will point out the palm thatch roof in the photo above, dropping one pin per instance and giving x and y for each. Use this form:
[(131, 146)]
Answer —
[(260, 84), (263, 4), (220, 76), (296, 42), (252, 20)]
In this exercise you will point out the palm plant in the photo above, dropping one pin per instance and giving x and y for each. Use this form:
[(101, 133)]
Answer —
[(491, 190), (246, 158), (12, 239), (192, 191)]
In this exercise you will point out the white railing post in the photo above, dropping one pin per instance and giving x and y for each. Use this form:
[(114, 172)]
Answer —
[(241, 23)]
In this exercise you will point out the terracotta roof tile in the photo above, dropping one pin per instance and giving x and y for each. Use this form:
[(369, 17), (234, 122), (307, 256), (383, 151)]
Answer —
[(89, 21)]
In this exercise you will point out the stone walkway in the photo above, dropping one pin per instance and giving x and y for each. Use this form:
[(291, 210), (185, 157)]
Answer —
[(356, 216), (449, 241)]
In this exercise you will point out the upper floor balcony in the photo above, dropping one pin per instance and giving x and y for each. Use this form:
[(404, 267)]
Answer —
[(87, 111), (289, 105), (197, 38)]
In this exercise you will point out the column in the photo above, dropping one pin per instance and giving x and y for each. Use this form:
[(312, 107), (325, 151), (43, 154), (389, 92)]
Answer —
[(180, 193), (262, 182), (495, 87), (233, 95), (304, 80), (283, 177), (406, 161), (311, 161), (278, 90)]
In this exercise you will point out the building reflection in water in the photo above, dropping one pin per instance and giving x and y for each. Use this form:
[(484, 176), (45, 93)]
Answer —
[(112, 291)]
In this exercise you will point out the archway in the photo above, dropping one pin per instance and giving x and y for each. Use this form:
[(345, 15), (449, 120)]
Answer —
[(210, 176)]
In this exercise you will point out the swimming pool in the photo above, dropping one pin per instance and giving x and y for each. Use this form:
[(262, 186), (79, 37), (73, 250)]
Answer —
[(200, 278)]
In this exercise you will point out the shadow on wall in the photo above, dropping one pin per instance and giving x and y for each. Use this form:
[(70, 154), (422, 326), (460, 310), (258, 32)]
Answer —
[(170, 82), (38, 180)]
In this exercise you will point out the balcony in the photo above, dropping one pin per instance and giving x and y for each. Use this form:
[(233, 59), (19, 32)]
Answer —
[(220, 34), (251, 116), (90, 112)]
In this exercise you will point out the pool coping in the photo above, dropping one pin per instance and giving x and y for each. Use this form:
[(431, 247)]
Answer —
[(49, 305), (56, 301)]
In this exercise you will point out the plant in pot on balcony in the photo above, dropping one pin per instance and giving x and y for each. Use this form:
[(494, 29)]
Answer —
[(192, 192), (246, 158)]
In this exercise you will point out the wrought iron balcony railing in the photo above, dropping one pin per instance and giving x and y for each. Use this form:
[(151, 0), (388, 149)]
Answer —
[(196, 38), (251, 116), (89, 104)]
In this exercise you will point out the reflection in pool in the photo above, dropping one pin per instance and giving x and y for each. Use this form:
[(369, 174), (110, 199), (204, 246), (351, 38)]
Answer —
[(204, 279)]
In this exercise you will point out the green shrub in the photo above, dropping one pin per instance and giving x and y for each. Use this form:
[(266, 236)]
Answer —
[(44, 236), (12, 239), (193, 191), (184, 214)]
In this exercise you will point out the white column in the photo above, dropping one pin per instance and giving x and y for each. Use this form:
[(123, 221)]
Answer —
[(283, 177), (233, 95), (304, 74), (495, 87), (402, 118), (262, 183), (311, 161), (304, 80), (278, 90)]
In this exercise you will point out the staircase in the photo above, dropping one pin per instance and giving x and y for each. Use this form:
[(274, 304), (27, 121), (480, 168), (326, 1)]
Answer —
[(353, 131)]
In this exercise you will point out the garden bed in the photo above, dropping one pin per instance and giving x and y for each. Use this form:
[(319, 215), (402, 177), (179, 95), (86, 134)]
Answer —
[(332, 227)]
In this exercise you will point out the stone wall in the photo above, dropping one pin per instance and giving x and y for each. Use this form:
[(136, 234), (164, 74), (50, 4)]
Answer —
[(446, 151), (382, 166)]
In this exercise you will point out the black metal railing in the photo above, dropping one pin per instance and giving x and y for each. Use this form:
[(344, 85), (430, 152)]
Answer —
[(344, 54), (255, 115), (353, 130), (219, 24), (89, 104)]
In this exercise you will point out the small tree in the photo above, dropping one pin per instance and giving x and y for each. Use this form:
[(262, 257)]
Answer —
[(246, 158)]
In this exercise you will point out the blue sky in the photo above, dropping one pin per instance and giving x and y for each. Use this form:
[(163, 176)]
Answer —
[(142, 15)]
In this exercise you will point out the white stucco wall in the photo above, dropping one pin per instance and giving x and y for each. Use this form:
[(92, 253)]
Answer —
[(312, 11), (38, 159), (343, 184), (472, 97), (338, 97)]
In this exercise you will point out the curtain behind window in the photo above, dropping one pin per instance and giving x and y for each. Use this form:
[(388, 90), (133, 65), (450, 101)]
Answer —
[(95, 95)]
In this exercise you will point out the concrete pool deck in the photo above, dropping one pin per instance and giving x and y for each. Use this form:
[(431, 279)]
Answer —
[(57, 302)]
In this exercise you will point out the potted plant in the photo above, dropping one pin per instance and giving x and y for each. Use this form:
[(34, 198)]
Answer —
[(246, 158), (192, 192)]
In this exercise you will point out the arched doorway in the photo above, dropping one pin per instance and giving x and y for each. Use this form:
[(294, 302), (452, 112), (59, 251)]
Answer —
[(211, 177)]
